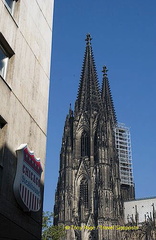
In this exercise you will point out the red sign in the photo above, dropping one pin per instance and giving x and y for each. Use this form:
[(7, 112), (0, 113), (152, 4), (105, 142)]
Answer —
[(27, 180)]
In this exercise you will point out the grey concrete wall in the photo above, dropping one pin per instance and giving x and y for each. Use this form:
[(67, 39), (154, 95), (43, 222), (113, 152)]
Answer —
[(24, 101)]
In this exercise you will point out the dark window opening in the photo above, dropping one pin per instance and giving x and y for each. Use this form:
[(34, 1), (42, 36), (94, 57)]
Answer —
[(85, 149), (10, 4), (96, 147), (6, 52), (3, 61), (2, 122), (2, 139), (84, 193)]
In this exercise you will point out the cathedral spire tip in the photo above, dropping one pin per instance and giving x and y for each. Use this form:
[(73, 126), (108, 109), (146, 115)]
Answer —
[(88, 98), (104, 70), (88, 39)]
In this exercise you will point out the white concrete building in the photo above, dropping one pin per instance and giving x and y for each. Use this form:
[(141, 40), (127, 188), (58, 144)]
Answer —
[(139, 210), (25, 54)]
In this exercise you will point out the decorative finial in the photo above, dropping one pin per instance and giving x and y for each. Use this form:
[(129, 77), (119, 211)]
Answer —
[(105, 70), (88, 39)]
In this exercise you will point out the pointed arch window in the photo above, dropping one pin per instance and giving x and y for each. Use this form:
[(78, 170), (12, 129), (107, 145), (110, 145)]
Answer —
[(95, 147), (84, 192), (85, 149)]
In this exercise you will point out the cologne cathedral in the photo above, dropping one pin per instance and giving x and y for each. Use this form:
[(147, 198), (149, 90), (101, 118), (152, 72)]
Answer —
[(89, 196)]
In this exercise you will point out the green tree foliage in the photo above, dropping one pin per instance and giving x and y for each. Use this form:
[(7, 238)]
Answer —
[(49, 231)]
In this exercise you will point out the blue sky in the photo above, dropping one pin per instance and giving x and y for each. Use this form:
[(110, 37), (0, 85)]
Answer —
[(124, 39)]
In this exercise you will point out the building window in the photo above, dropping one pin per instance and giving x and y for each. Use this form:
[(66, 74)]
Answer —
[(2, 139), (6, 52), (3, 62), (84, 193), (2, 122), (10, 4), (85, 149), (2, 146)]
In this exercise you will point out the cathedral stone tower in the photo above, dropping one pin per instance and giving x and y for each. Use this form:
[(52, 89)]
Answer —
[(88, 197)]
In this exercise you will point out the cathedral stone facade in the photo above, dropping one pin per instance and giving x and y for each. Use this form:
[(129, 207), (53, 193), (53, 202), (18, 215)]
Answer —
[(89, 200)]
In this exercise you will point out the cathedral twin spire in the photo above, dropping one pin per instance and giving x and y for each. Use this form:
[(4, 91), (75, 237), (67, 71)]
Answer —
[(107, 96), (89, 97), (88, 187)]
